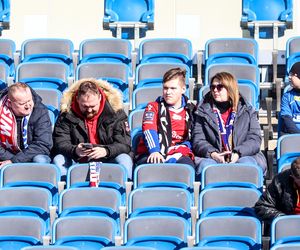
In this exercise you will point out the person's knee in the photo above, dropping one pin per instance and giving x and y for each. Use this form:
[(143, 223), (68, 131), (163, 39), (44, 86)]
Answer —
[(126, 161), (41, 159)]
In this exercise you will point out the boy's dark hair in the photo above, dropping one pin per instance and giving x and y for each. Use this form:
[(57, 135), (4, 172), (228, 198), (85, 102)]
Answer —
[(295, 69), (175, 73)]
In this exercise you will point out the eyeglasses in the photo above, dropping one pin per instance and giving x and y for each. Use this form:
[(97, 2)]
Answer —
[(218, 86)]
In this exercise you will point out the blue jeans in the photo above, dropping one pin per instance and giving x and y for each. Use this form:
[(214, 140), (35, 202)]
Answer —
[(41, 159), (203, 162), (64, 163)]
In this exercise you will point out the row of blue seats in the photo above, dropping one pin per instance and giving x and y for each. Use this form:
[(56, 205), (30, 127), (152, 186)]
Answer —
[(221, 50)]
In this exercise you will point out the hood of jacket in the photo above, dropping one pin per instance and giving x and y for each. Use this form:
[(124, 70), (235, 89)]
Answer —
[(112, 95)]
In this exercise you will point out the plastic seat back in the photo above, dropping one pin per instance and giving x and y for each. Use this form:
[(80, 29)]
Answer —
[(135, 118), (231, 50), (7, 50), (231, 231), (43, 74), (265, 11), (238, 174), (175, 50), (92, 231), (285, 229), (164, 174), (115, 73), (156, 230), (32, 174), (228, 201), (105, 50), (170, 201), (21, 231), (48, 49), (132, 11)]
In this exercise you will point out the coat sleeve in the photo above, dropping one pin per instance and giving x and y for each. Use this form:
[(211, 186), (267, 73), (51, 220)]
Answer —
[(252, 142), (201, 145), (41, 143), (121, 137), (267, 207), (62, 137)]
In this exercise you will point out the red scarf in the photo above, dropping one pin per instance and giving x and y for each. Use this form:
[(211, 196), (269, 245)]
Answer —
[(91, 124)]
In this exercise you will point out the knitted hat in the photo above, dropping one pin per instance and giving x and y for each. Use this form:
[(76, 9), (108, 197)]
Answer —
[(295, 69)]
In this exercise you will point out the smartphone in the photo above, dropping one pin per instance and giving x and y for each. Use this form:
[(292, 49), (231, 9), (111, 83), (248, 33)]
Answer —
[(87, 145)]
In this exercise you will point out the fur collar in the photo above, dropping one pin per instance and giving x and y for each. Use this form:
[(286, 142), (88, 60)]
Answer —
[(113, 95)]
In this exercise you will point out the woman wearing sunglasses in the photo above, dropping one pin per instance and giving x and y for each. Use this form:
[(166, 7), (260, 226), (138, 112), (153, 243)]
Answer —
[(226, 127)]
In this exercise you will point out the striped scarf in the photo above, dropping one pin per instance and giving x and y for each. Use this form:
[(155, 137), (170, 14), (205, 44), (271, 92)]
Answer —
[(225, 129), (164, 125), (8, 128)]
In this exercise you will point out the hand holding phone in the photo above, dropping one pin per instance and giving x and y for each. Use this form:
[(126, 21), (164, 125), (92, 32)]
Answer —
[(87, 145)]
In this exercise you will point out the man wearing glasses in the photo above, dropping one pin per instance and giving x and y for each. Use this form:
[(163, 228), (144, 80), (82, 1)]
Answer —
[(25, 126), (290, 103)]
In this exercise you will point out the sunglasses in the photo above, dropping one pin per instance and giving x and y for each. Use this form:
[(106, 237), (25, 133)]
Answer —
[(218, 86)]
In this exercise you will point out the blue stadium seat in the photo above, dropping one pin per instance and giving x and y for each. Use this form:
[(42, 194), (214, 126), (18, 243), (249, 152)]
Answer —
[(232, 175), (266, 13), (105, 50), (112, 176), (170, 201), (115, 73), (170, 50), (4, 73), (26, 201), (290, 246), (161, 232), (85, 232), (91, 201), (7, 50), (17, 232), (238, 232), (285, 230), (231, 50), (228, 201), (129, 248), (43, 75), (135, 118), (48, 50), (33, 175), (130, 19), (287, 148), (151, 74), (4, 14), (292, 54), (51, 247)]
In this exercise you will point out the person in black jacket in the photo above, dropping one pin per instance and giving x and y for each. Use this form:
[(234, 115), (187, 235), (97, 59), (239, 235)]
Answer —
[(92, 126), (25, 126), (282, 195)]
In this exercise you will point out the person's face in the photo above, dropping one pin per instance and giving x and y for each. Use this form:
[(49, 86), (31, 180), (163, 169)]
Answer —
[(294, 80), (219, 92), (89, 105), (21, 102), (173, 91)]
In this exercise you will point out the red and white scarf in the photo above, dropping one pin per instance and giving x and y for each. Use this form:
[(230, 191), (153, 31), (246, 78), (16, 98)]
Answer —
[(8, 128)]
